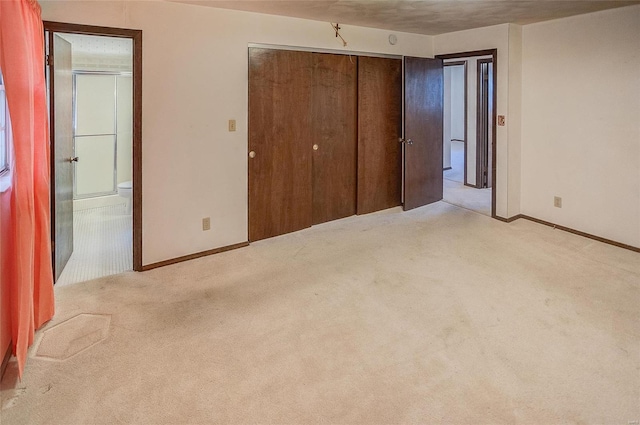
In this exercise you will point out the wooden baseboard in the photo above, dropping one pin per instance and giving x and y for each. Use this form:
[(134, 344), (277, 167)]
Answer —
[(583, 234), (570, 230), (508, 220), (5, 360), (193, 256)]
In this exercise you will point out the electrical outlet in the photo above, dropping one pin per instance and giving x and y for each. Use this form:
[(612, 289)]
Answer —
[(501, 120), (557, 202), (232, 125), (206, 223)]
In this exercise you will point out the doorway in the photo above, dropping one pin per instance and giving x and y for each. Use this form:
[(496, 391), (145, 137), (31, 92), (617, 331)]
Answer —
[(94, 81), (469, 161)]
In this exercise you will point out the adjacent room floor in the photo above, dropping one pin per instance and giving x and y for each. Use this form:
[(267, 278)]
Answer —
[(436, 315), (456, 193), (102, 240)]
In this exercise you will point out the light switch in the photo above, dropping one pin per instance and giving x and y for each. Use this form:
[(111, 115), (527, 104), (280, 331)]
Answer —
[(232, 125)]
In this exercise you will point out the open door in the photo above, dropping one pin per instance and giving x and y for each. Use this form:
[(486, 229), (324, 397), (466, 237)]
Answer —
[(423, 115), (62, 159)]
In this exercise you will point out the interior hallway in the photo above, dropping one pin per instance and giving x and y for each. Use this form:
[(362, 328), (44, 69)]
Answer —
[(454, 190), (438, 314)]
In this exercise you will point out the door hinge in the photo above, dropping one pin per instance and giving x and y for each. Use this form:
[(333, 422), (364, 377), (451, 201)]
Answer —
[(48, 60)]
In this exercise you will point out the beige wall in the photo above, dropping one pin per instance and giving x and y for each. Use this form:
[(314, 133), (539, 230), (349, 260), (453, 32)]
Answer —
[(581, 123), (194, 80), (457, 102)]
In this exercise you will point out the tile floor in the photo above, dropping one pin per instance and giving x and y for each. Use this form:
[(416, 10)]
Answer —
[(102, 244)]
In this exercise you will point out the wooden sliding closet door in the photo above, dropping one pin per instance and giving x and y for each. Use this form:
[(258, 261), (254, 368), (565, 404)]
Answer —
[(280, 134), (334, 136), (379, 128)]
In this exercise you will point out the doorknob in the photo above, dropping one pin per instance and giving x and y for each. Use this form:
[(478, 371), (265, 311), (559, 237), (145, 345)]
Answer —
[(73, 159), (316, 147), (252, 154), (409, 142)]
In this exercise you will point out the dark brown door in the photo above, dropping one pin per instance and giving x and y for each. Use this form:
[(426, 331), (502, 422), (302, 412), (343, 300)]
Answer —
[(334, 136), (423, 103), (379, 128), (61, 97), (280, 168)]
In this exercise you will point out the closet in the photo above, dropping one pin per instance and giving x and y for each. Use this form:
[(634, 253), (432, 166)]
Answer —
[(323, 138)]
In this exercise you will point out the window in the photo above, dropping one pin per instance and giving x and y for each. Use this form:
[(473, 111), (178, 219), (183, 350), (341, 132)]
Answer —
[(5, 129)]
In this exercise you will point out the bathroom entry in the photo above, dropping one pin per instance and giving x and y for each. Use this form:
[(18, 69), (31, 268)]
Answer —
[(91, 98)]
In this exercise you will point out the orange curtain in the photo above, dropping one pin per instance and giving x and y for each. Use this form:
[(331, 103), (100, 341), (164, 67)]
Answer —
[(27, 267)]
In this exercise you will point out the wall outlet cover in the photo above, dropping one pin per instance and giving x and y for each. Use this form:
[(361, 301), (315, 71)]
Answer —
[(557, 202)]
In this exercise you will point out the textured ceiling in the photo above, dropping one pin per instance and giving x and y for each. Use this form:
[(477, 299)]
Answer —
[(96, 45), (429, 17)]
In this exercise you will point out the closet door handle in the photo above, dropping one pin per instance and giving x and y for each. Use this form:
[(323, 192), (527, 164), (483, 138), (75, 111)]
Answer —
[(316, 147), (252, 154)]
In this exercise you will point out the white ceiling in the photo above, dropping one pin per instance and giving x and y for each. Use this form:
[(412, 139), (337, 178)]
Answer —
[(98, 45), (429, 17)]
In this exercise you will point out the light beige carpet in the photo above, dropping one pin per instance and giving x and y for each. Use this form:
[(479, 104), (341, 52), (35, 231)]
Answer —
[(437, 315), (478, 200)]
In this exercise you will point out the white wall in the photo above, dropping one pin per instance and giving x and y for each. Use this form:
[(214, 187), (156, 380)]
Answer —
[(472, 118), (581, 123), (507, 185), (457, 102), (447, 115), (453, 125), (194, 80)]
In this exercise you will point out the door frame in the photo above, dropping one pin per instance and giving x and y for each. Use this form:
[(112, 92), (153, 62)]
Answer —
[(494, 54), (480, 151), (464, 64), (136, 37)]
